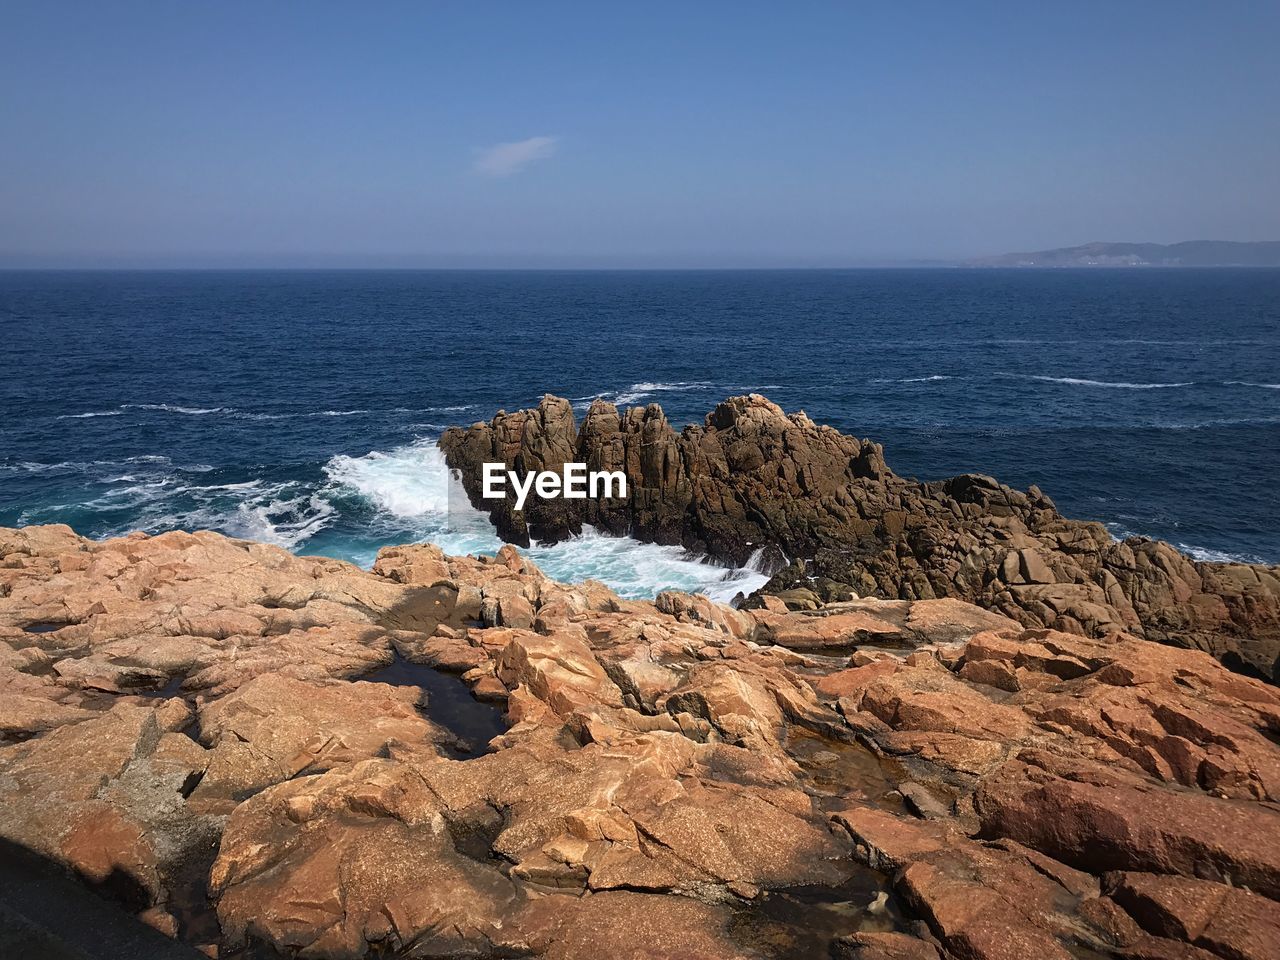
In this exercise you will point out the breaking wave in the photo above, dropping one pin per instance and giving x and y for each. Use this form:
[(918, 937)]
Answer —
[(351, 507), (173, 408), (1205, 554), (238, 414), (640, 391), (414, 490), (89, 415), (1119, 385)]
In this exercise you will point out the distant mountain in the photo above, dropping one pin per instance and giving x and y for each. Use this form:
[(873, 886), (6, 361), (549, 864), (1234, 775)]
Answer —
[(1192, 253)]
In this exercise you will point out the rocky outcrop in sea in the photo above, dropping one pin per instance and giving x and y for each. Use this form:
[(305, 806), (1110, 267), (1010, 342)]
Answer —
[(261, 754), (753, 478)]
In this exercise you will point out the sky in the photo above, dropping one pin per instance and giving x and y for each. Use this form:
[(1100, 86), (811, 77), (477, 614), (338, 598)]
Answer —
[(588, 134)]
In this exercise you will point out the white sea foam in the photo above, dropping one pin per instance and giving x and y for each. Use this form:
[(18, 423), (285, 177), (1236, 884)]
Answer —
[(410, 481), (89, 415), (1206, 554), (174, 408), (86, 466), (394, 496), (238, 414), (285, 514), (284, 522), (154, 496), (1210, 555), (413, 486), (640, 391), (936, 376), (1121, 385), (641, 569), (1218, 422), (1082, 382)]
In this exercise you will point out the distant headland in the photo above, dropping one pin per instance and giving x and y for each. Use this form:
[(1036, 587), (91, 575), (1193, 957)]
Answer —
[(1191, 253)]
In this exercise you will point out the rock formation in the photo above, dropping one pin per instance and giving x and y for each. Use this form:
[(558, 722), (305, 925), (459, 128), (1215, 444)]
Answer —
[(754, 478), (203, 728)]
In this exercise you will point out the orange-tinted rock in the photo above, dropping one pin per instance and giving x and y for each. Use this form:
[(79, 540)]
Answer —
[(626, 926), (1227, 921), (668, 767), (1104, 818), (329, 864), (844, 683), (274, 728)]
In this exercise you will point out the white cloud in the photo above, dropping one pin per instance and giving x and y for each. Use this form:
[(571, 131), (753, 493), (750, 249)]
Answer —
[(504, 159)]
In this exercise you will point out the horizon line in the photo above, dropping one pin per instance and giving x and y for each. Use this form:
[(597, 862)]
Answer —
[(940, 266)]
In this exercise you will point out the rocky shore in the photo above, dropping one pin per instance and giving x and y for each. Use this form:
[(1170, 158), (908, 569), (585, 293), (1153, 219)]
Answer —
[(753, 478), (263, 755)]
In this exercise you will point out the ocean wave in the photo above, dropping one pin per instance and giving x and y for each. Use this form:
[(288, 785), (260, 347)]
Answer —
[(87, 466), (287, 522), (911, 343), (433, 427), (239, 414), (417, 494), (409, 481), (1082, 382), (1209, 555), (89, 415), (1220, 422), (640, 391), (936, 376), (636, 569), (1204, 554), (284, 513), (1120, 385), (174, 408)]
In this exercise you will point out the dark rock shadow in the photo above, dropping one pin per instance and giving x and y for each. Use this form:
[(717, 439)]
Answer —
[(46, 913)]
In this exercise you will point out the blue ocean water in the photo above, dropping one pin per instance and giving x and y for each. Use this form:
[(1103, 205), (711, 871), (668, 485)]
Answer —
[(302, 407)]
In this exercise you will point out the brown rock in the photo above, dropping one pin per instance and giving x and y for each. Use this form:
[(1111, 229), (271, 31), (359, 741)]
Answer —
[(559, 669), (1105, 819), (627, 926), (884, 946), (668, 767), (752, 475), (332, 863), (1226, 921), (275, 728)]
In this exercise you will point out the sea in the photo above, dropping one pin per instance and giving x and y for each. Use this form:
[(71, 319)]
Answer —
[(302, 408)]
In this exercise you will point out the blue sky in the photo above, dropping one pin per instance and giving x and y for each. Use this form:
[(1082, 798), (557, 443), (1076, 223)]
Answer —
[(597, 134)]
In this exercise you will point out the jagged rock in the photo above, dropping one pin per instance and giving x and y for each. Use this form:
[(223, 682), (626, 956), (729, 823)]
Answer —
[(752, 477), (275, 728), (1226, 921), (669, 769), (104, 796)]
